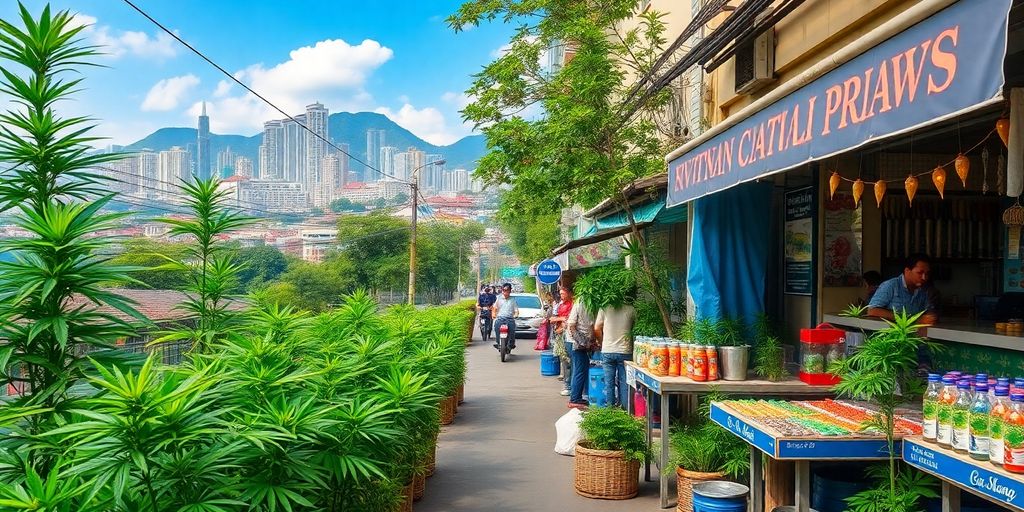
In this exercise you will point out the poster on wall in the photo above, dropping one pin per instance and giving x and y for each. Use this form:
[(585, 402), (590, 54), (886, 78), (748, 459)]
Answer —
[(844, 240), (799, 241)]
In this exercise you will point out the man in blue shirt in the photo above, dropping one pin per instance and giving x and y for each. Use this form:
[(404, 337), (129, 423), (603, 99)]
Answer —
[(505, 312), (483, 305), (906, 293)]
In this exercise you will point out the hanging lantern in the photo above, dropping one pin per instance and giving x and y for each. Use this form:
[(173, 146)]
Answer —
[(963, 166), (911, 185), (1003, 129), (939, 179), (858, 191), (833, 184), (879, 192)]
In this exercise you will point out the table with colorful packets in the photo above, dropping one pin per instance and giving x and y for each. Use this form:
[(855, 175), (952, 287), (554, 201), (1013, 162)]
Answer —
[(808, 430)]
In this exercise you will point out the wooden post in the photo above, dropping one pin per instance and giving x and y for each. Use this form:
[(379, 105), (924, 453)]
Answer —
[(778, 484)]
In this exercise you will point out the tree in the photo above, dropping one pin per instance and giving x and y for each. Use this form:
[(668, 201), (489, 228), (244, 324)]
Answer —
[(341, 205), (380, 243), (438, 257), (150, 254), (314, 287), (262, 264), (400, 198), (531, 240), (380, 202), (594, 138)]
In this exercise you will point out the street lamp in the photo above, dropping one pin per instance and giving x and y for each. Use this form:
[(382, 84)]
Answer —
[(414, 183)]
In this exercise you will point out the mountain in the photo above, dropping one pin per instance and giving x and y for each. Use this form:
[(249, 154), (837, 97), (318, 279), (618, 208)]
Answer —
[(342, 127)]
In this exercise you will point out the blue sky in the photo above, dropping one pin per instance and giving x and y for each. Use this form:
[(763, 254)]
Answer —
[(398, 58)]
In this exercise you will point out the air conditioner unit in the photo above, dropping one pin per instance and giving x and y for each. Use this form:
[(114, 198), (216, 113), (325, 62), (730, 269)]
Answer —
[(755, 63)]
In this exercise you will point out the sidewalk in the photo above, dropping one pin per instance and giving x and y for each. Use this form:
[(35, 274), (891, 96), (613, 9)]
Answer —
[(499, 454)]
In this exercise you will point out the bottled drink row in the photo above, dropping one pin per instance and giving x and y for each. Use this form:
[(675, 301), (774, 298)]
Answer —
[(978, 416)]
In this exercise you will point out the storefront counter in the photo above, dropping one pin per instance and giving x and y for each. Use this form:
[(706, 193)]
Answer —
[(980, 335)]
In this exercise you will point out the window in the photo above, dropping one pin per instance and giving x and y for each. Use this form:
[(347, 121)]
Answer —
[(528, 301)]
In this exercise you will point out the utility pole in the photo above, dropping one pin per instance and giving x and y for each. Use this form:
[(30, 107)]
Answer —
[(415, 186)]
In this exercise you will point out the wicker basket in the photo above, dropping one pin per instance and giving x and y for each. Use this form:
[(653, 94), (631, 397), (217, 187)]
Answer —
[(684, 486), (447, 411), (419, 486), (605, 474), (432, 460), (461, 393), (455, 401), (406, 505)]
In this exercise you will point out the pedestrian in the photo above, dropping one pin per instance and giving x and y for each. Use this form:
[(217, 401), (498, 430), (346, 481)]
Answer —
[(562, 346), (579, 327), (614, 326)]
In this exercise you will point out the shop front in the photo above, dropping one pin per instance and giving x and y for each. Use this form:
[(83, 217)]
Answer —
[(914, 145)]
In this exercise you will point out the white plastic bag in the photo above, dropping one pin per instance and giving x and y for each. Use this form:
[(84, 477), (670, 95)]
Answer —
[(567, 431)]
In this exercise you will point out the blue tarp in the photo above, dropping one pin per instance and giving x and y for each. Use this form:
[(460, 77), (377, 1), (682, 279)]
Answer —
[(649, 212), (729, 252)]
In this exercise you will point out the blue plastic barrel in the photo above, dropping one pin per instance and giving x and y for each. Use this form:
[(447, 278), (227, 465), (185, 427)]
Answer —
[(550, 363), (703, 503), (595, 389), (831, 485)]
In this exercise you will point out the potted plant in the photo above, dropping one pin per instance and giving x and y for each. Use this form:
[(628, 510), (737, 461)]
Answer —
[(701, 451), (607, 462), (769, 357), (733, 351)]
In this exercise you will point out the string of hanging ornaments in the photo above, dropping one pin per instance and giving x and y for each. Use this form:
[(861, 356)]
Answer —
[(961, 164)]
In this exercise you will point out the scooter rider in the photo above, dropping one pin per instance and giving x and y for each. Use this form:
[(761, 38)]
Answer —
[(483, 304), (505, 312)]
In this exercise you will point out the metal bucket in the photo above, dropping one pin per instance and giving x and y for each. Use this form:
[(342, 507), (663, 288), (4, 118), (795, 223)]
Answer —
[(733, 361), (720, 489)]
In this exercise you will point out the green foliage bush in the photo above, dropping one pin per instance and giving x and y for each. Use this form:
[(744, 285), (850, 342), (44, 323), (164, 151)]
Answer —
[(611, 428)]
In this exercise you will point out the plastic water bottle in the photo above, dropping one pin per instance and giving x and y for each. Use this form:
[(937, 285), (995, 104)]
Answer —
[(944, 415), (961, 416), (930, 408), (1000, 405), (979, 420)]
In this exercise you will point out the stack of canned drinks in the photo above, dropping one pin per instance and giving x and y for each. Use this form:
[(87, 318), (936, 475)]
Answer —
[(668, 357)]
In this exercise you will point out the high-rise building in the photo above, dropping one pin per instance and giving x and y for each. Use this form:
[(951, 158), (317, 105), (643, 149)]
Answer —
[(386, 162), (316, 145), (203, 146), (190, 149), (457, 180), (174, 169), (324, 190), (414, 161), (271, 151), (433, 173), (344, 166), (225, 163), (149, 172), (293, 166), (243, 167), (125, 175), (374, 141)]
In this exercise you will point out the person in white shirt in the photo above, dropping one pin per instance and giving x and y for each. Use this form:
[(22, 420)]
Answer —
[(505, 312), (614, 326), (579, 328)]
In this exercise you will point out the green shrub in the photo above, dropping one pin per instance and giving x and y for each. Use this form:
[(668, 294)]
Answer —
[(611, 428)]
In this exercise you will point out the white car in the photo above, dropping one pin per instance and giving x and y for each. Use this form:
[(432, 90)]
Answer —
[(529, 308)]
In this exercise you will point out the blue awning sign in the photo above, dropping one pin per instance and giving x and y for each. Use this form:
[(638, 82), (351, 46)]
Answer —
[(949, 63)]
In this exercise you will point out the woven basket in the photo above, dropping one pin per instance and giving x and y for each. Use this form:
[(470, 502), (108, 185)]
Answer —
[(406, 505), (455, 401), (684, 486), (447, 411), (461, 393), (432, 460), (605, 474), (419, 486)]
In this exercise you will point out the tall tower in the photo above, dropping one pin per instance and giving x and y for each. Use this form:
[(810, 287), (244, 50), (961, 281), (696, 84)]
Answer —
[(203, 146), (271, 151), (374, 141), (316, 145), (173, 169)]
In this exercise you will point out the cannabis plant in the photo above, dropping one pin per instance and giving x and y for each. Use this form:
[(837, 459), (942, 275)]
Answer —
[(611, 428), (210, 264), (854, 311), (52, 291), (768, 352), (882, 372)]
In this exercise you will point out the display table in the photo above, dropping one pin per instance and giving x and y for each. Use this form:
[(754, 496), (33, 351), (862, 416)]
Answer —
[(800, 448), (665, 387), (980, 335), (958, 471)]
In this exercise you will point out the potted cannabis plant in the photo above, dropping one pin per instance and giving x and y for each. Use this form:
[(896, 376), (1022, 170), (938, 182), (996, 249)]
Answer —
[(607, 462), (883, 372), (734, 352), (702, 451), (769, 356)]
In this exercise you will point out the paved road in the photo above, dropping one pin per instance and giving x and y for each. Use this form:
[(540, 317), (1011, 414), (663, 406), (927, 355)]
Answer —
[(498, 455)]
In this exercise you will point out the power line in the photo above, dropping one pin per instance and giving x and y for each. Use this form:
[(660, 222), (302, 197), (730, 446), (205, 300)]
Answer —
[(254, 93)]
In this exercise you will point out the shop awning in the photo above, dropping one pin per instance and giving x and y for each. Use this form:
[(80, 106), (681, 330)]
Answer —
[(941, 67)]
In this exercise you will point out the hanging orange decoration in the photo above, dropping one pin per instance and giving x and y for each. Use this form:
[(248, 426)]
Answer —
[(879, 192), (911, 185), (963, 166), (1003, 129), (939, 179), (858, 191), (833, 184)]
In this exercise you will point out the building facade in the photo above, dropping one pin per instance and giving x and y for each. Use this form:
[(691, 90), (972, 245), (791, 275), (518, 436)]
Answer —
[(203, 168)]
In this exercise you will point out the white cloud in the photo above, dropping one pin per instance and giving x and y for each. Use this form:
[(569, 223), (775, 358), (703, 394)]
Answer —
[(223, 88), (332, 72), (427, 123), (118, 43), (169, 92)]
